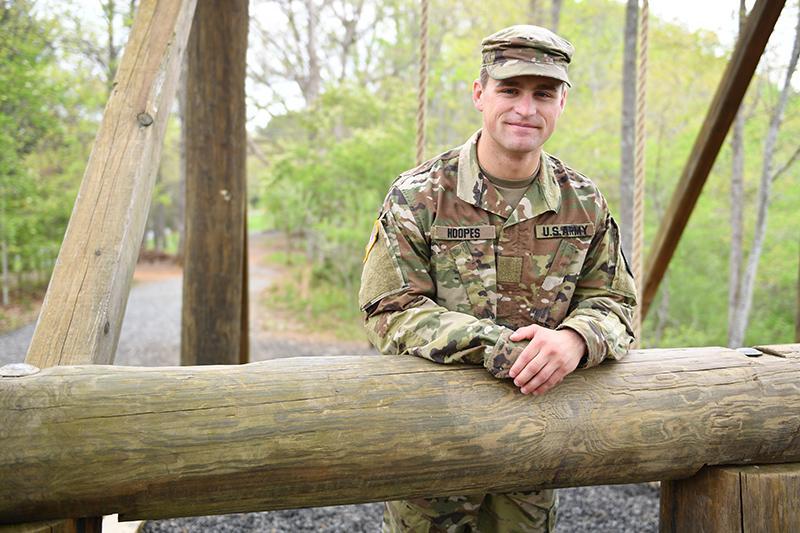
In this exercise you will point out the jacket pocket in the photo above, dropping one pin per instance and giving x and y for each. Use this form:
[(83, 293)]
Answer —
[(466, 276), (554, 294)]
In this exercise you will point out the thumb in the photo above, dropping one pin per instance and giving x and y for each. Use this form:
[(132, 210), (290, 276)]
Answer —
[(526, 332)]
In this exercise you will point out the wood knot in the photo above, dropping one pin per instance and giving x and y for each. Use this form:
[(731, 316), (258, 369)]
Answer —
[(144, 119), (106, 328)]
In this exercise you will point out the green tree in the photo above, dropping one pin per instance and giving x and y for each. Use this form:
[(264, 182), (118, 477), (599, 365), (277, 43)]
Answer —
[(28, 100)]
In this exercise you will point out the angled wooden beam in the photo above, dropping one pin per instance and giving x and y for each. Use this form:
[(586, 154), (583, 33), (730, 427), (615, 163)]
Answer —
[(214, 318), (82, 312), (730, 92), (160, 442)]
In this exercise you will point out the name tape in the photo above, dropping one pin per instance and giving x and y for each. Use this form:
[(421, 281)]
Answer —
[(463, 233), (558, 231)]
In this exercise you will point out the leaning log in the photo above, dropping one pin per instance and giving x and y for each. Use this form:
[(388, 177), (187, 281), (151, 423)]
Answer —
[(162, 442), (82, 312)]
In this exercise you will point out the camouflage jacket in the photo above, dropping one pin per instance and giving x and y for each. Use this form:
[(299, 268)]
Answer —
[(451, 269)]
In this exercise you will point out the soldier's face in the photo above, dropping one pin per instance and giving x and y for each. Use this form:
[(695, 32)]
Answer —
[(520, 113)]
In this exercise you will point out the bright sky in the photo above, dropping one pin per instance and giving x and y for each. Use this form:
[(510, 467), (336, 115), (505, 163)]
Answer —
[(715, 15), (721, 17)]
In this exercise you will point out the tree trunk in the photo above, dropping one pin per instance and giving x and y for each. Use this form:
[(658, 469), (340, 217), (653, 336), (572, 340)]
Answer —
[(797, 311), (534, 11), (181, 200), (109, 9), (309, 431), (555, 14), (736, 211), (4, 260), (628, 140), (159, 223), (739, 325), (314, 74)]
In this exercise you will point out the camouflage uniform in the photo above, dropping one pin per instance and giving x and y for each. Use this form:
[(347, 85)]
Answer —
[(451, 270)]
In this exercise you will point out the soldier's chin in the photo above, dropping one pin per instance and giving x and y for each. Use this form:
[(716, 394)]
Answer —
[(522, 146)]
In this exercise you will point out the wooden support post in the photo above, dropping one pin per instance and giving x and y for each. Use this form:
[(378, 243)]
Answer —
[(216, 141), (730, 93), (733, 500), (300, 432), (244, 336)]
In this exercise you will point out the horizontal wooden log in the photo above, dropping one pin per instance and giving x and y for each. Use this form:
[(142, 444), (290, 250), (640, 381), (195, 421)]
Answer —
[(160, 442)]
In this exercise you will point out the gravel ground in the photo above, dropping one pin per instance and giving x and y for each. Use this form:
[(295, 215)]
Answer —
[(150, 337), (608, 508)]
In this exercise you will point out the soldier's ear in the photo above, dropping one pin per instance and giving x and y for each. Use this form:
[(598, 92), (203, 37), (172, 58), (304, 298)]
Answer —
[(477, 94), (564, 92)]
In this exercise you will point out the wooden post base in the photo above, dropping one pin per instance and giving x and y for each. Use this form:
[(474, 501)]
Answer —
[(732, 499)]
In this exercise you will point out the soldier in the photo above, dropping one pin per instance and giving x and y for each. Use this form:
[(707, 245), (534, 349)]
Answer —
[(498, 254)]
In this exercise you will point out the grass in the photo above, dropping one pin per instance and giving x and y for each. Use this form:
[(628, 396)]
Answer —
[(24, 308), (327, 308), (257, 219)]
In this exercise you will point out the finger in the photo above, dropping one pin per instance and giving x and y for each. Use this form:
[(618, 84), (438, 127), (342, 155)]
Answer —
[(540, 378), (525, 332), (554, 380), (531, 370), (525, 357)]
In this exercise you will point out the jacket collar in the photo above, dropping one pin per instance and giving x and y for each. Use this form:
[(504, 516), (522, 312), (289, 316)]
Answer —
[(543, 195)]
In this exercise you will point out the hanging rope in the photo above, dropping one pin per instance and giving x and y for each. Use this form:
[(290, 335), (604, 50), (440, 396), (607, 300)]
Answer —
[(639, 169), (423, 80)]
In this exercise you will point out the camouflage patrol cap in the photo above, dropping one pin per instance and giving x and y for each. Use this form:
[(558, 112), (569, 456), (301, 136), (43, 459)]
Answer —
[(524, 49)]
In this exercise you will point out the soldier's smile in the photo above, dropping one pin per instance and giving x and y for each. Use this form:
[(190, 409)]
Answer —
[(519, 113)]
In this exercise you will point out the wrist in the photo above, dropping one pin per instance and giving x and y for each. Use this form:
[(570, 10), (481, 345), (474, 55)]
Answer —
[(582, 350)]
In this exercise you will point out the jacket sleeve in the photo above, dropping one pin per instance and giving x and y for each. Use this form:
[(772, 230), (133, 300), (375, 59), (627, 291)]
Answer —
[(397, 296), (605, 294)]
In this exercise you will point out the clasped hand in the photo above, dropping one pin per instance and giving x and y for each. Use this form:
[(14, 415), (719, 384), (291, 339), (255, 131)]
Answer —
[(547, 359)]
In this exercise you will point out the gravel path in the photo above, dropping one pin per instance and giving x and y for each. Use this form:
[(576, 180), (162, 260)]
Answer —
[(151, 336)]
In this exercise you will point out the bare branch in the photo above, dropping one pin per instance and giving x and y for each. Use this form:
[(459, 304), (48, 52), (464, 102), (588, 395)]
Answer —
[(255, 150), (786, 166)]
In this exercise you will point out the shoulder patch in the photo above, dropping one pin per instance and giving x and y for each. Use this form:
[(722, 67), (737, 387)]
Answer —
[(372, 238), (381, 275)]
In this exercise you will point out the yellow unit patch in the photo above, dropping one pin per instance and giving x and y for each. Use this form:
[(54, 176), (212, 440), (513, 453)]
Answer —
[(371, 242), (562, 231)]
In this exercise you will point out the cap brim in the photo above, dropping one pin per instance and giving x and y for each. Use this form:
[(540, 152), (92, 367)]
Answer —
[(515, 67)]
